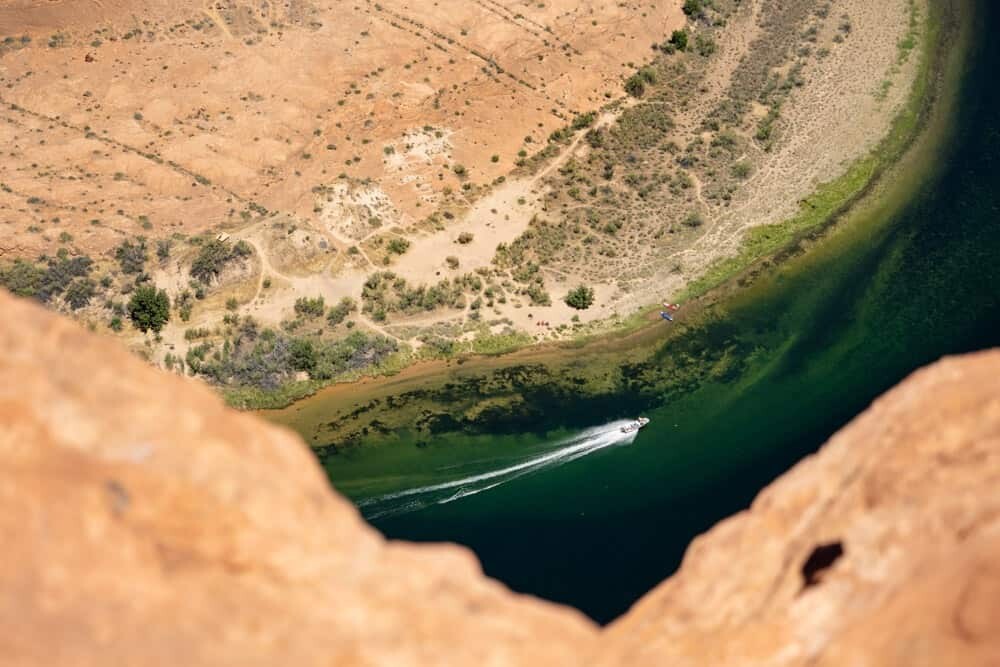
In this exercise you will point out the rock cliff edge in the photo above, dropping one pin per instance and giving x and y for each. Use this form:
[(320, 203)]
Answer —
[(143, 522)]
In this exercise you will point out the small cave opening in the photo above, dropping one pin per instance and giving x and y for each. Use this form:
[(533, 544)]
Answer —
[(821, 559)]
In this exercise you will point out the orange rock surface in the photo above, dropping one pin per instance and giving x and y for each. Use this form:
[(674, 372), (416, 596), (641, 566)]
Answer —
[(910, 491), (143, 523)]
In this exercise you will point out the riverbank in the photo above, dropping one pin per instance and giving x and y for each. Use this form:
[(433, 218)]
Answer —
[(762, 247), (736, 396)]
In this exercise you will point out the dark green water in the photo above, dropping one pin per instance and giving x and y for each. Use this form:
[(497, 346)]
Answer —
[(595, 521)]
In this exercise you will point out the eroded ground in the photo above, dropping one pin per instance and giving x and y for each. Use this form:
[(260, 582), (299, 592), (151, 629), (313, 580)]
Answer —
[(441, 174)]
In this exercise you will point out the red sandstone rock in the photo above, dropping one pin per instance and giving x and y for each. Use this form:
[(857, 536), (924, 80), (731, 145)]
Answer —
[(143, 523), (910, 491)]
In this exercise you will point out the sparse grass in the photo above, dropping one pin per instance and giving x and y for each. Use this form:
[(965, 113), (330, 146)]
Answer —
[(833, 197)]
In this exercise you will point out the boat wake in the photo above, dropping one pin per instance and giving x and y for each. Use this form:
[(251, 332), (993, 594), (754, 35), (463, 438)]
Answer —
[(556, 454)]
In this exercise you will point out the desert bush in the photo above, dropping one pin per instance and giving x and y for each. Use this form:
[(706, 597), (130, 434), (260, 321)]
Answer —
[(581, 297), (22, 278), (268, 359), (679, 39), (742, 169), (149, 308), (583, 120), (163, 249), (302, 354), (537, 294), (693, 220), (339, 312), (398, 246), (705, 45), (131, 256), (635, 86), (213, 258), (693, 7), (306, 307), (80, 292)]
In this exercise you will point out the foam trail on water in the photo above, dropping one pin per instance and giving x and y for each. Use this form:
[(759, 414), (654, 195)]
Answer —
[(562, 452)]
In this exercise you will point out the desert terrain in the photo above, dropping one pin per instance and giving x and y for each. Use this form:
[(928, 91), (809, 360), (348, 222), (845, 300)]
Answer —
[(322, 187)]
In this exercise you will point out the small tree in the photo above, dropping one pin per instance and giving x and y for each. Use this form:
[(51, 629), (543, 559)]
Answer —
[(339, 312), (79, 293), (163, 249), (398, 246), (635, 86), (149, 308), (705, 45), (693, 7), (679, 38), (132, 256), (580, 298), (302, 354), (22, 278), (742, 169), (307, 307), (693, 220)]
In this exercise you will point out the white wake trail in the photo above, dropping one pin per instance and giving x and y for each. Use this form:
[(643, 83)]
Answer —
[(567, 450)]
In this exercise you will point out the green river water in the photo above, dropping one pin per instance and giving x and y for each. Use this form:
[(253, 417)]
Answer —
[(558, 503)]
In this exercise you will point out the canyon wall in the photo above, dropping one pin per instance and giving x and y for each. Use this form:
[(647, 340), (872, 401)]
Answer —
[(145, 523)]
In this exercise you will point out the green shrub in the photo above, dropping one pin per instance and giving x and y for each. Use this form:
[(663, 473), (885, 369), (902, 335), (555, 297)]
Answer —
[(213, 258), (306, 307), (340, 312), (398, 246), (693, 7), (539, 297), (742, 169), (693, 220), (302, 354), (581, 298), (163, 249), (149, 308), (80, 292), (635, 86), (705, 45), (22, 278), (679, 39), (132, 256), (583, 120)]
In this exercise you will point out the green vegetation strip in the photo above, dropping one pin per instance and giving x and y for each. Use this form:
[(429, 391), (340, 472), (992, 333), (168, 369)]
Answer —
[(834, 198), (827, 204)]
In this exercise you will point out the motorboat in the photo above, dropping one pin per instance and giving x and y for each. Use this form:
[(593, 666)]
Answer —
[(635, 426)]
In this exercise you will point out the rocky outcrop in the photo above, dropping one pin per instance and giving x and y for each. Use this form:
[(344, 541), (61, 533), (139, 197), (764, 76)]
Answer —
[(143, 523), (880, 550)]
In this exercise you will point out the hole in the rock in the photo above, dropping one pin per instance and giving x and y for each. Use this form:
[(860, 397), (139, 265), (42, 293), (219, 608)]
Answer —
[(823, 556)]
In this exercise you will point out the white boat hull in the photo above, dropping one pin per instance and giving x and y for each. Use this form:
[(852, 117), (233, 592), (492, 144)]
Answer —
[(635, 426)]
